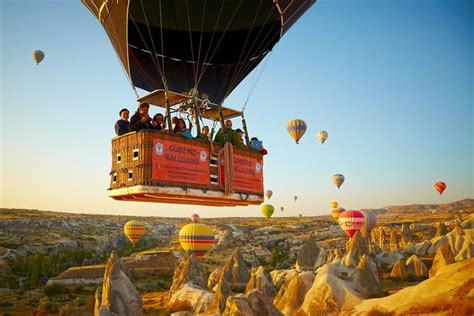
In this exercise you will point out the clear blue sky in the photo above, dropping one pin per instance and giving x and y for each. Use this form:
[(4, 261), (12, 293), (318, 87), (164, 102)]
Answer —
[(391, 81)]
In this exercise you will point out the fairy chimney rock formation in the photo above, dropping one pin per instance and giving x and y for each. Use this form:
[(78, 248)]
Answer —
[(188, 270), (443, 257), (292, 293), (407, 237), (441, 230), (366, 279), (394, 240), (261, 279), (356, 247), (416, 267), (235, 272), (119, 296), (308, 256), (399, 270)]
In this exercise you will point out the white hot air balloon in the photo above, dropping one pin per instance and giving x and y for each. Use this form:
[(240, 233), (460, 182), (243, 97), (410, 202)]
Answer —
[(295, 198), (338, 180), (268, 194), (322, 136), (38, 56)]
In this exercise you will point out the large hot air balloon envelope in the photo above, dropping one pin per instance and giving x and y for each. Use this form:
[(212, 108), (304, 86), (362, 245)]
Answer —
[(296, 128), (267, 210), (440, 186), (38, 56), (338, 180), (370, 220), (322, 136), (351, 221), (211, 45), (195, 218), (334, 204), (268, 194), (196, 237), (336, 212), (134, 231)]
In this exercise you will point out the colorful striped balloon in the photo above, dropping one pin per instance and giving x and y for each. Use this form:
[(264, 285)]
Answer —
[(440, 186), (296, 128), (322, 136), (134, 231), (198, 238), (351, 221)]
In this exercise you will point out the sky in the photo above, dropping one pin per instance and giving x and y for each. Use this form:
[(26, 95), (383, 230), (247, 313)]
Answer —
[(391, 81)]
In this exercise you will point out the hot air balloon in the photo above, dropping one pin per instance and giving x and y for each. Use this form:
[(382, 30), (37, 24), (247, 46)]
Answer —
[(296, 128), (281, 208), (370, 220), (440, 186), (351, 221), (336, 212), (134, 231), (195, 218), (295, 197), (334, 204), (268, 194), (322, 136), (196, 237), (267, 210), (300, 215), (38, 56), (338, 180)]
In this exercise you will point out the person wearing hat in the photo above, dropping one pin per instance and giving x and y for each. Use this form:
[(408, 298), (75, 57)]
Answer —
[(240, 134), (122, 125)]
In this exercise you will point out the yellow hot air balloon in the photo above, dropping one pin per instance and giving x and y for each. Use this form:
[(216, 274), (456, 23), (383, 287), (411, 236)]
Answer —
[(38, 56), (196, 237), (338, 180), (296, 128), (336, 212), (268, 194), (334, 204), (267, 210), (322, 136), (134, 231)]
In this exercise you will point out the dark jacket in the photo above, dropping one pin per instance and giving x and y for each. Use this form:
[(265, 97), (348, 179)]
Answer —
[(121, 127), (136, 124)]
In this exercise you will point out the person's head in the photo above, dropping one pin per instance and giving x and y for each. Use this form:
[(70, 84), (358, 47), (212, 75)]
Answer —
[(174, 120), (254, 139), (205, 130), (240, 133), (124, 114), (180, 124), (228, 123), (158, 118), (143, 108)]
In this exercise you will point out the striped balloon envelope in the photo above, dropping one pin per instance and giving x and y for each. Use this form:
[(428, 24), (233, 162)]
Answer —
[(296, 128), (196, 237), (440, 186), (351, 221), (134, 231)]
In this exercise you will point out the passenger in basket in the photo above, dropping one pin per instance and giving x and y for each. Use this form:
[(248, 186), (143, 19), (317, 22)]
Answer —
[(158, 122), (181, 129), (174, 120), (240, 134), (204, 133), (140, 120), (231, 135), (256, 144), (122, 125)]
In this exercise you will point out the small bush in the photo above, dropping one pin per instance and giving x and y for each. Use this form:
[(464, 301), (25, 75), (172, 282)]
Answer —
[(54, 289)]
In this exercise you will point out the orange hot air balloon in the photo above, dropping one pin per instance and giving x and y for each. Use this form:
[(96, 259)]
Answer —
[(351, 221), (440, 186)]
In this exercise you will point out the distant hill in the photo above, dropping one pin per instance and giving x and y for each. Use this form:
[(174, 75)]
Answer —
[(453, 206)]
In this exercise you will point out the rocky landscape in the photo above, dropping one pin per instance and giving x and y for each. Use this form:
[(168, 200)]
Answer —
[(418, 259)]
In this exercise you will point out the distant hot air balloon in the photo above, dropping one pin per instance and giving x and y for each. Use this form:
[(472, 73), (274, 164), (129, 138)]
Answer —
[(338, 180), (440, 186), (267, 210), (334, 204), (195, 218), (336, 212), (296, 128), (196, 237), (268, 194), (351, 221), (370, 220), (295, 198), (300, 215), (38, 56), (281, 208), (134, 231), (322, 136)]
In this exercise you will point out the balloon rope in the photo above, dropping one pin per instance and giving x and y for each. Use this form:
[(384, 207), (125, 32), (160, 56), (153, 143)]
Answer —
[(191, 41)]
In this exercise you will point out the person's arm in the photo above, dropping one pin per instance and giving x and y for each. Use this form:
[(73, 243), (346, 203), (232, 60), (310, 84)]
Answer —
[(121, 127)]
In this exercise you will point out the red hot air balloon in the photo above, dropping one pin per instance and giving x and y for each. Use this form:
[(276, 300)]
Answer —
[(195, 218), (351, 221), (440, 186)]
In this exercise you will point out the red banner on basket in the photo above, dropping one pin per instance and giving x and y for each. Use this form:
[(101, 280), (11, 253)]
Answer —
[(177, 162), (248, 173)]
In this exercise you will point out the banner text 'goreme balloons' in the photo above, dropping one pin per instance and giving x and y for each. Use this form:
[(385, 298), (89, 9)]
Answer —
[(134, 231), (351, 221), (196, 237), (338, 180), (268, 194), (267, 210), (440, 186), (322, 136), (38, 56), (296, 128), (195, 218)]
